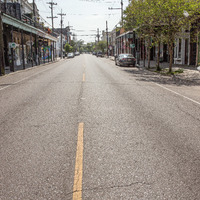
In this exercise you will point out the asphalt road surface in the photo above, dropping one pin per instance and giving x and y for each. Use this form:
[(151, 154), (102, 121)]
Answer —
[(84, 128)]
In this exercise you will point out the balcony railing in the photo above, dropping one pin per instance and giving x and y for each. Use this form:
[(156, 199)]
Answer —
[(13, 9), (27, 20)]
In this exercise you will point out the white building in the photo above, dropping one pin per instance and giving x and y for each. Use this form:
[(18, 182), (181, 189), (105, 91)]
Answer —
[(58, 45), (182, 49)]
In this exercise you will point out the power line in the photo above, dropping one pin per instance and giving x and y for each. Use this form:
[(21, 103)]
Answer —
[(51, 7), (122, 11)]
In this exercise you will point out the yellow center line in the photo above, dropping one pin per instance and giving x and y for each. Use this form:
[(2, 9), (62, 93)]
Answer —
[(77, 189), (83, 77)]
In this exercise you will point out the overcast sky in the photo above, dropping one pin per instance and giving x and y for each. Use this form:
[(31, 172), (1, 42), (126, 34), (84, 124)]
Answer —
[(85, 16)]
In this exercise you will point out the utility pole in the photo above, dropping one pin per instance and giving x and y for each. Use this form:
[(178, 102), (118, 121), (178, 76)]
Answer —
[(61, 23), (107, 36), (98, 34), (52, 17), (34, 13), (122, 12), (35, 37), (5, 5)]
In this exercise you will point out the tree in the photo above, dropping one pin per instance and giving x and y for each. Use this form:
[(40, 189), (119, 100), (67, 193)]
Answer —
[(79, 45), (73, 45), (163, 19), (101, 46), (68, 48), (140, 17)]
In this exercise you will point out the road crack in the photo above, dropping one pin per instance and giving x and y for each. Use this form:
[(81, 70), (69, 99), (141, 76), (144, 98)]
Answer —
[(111, 187)]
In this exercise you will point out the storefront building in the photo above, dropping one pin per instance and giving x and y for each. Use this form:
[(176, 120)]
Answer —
[(24, 44), (126, 42)]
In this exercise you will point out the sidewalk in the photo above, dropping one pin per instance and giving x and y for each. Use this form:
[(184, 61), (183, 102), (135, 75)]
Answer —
[(190, 75), (28, 66)]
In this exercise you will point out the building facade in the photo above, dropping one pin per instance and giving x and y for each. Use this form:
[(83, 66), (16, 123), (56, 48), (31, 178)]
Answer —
[(25, 42)]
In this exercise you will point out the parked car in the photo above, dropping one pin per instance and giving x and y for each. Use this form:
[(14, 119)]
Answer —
[(125, 60), (94, 53), (77, 53), (70, 55), (99, 54)]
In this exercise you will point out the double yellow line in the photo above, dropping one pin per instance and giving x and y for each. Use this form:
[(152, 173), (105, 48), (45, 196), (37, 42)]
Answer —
[(84, 73), (83, 77), (78, 175)]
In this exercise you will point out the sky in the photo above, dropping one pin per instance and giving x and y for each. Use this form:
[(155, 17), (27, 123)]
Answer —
[(84, 16)]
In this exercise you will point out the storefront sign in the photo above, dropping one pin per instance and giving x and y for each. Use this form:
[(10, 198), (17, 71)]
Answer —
[(12, 45), (132, 46)]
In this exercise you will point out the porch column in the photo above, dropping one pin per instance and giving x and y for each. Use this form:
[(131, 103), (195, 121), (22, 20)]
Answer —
[(43, 51), (54, 50), (2, 61), (48, 49), (22, 43), (31, 42), (51, 53), (36, 52), (39, 50), (12, 68)]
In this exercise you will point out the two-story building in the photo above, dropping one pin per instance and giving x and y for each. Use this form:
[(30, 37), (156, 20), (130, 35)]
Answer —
[(26, 42)]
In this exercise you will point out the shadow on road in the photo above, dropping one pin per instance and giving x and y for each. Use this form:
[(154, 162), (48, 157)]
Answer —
[(187, 78)]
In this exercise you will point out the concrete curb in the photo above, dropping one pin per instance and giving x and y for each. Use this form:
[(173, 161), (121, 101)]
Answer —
[(30, 68)]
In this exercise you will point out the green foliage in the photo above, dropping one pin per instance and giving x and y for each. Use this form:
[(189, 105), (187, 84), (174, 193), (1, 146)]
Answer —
[(161, 20), (77, 45), (89, 47), (68, 48), (101, 46)]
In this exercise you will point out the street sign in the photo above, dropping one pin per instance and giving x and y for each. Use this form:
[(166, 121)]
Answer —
[(12, 45), (132, 46)]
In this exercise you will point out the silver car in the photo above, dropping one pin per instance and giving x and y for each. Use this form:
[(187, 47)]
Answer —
[(125, 60), (70, 55)]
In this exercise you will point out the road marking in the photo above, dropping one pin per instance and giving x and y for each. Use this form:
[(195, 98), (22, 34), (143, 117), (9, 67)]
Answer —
[(178, 94), (77, 189), (83, 77)]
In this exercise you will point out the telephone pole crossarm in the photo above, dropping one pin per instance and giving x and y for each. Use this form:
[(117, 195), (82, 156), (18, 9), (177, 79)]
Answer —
[(122, 11), (51, 7)]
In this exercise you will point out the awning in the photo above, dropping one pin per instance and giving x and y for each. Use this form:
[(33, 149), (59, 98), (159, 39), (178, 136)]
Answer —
[(126, 33), (26, 27)]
